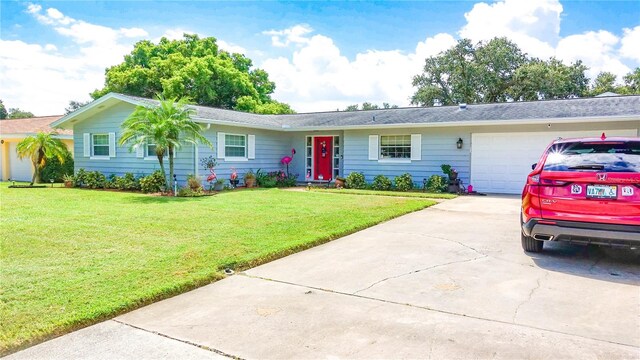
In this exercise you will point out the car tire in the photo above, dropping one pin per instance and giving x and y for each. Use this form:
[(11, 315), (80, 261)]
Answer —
[(530, 244)]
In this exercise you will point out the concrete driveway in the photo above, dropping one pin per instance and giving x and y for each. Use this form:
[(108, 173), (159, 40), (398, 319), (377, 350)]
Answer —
[(449, 282)]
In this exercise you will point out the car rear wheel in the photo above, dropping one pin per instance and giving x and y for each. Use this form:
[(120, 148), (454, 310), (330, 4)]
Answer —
[(530, 244)]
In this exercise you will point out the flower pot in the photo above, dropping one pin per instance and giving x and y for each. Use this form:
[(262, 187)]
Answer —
[(218, 187), (250, 182), (68, 184), (453, 175), (234, 182), (339, 183)]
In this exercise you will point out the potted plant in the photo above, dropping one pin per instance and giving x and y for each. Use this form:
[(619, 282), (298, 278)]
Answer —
[(233, 179), (218, 185), (68, 180), (250, 179), (340, 182)]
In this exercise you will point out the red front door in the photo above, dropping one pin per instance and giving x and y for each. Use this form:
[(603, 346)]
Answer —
[(323, 157)]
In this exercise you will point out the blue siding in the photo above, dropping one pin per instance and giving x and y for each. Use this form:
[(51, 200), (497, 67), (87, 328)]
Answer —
[(110, 120), (438, 147), (271, 146)]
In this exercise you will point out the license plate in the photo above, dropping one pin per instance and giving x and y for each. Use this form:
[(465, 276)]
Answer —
[(602, 191)]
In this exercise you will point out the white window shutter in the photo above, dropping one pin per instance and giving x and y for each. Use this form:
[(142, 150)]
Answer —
[(140, 151), (374, 151), (86, 143), (112, 144), (220, 145), (251, 146), (416, 146)]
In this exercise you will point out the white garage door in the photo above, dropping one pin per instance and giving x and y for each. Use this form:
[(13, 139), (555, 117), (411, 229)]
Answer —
[(500, 162), (19, 169)]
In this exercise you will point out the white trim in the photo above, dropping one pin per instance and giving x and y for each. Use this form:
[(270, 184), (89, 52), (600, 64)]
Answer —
[(374, 147), (251, 146), (99, 158), (246, 148), (537, 121), (235, 159), (86, 144), (220, 145), (394, 161), (24, 135), (416, 147)]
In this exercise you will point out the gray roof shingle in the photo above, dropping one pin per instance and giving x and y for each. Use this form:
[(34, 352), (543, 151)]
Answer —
[(513, 111)]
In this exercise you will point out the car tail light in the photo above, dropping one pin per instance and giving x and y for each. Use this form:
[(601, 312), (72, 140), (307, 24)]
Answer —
[(554, 182), (533, 179)]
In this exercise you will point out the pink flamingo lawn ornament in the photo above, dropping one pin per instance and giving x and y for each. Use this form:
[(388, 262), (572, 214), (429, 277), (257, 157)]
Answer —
[(287, 159)]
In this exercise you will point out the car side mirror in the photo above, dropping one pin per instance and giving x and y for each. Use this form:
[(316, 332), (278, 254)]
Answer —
[(533, 167)]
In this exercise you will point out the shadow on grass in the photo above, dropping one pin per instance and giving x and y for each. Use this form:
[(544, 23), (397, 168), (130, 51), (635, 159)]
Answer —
[(217, 274), (595, 262)]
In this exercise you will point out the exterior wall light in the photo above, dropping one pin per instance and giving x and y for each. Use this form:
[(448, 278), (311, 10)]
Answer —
[(459, 143)]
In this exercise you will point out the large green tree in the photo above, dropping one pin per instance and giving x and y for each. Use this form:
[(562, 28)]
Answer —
[(494, 71), (608, 82), (167, 125), (15, 113), (193, 68), (369, 106), (39, 148), (3, 111)]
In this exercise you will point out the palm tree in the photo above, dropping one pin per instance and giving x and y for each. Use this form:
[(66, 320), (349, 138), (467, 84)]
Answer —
[(38, 148), (167, 126)]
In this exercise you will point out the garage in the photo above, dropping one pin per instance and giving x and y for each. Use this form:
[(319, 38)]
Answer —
[(500, 162), (19, 169)]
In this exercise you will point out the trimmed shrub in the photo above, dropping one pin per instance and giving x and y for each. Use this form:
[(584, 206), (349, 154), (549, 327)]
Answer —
[(189, 192), (355, 180), (80, 178), (381, 182), (194, 183), (437, 183), (55, 170), (403, 182), (95, 180), (153, 182)]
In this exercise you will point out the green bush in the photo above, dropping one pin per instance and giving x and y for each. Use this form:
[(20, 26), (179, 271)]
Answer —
[(436, 184), (194, 183), (55, 170), (95, 180), (153, 182), (128, 182), (403, 182), (189, 192), (80, 178), (381, 182), (355, 180)]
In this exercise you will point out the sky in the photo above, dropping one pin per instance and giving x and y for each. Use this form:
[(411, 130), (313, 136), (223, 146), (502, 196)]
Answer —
[(321, 55)]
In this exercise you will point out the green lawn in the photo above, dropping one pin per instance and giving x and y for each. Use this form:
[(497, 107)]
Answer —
[(413, 194), (72, 257)]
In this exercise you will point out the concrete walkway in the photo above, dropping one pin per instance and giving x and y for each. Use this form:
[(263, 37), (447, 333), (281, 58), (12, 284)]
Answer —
[(448, 282)]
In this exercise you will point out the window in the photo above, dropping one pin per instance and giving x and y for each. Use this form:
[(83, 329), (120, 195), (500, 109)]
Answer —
[(100, 144), (235, 146), (618, 156), (151, 150), (395, 147)]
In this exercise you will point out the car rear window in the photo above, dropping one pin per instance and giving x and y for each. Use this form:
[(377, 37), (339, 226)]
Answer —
[(623, 156)]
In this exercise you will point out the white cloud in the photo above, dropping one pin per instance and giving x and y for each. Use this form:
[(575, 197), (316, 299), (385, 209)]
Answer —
[(318, 77), (42, 80), (230, 47), (533, 25), (630, 47), (597, 49), (295, 34)]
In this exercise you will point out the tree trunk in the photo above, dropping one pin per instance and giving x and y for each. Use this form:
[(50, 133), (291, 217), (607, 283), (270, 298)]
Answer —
[(37, 167), (164, 173), (171, 164)]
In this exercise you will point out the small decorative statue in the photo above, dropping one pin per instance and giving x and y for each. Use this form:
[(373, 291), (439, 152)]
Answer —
[(234, 178), (287, 159)]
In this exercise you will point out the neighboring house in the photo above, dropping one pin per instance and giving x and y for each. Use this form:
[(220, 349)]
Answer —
[(491, 145), (12, 132)]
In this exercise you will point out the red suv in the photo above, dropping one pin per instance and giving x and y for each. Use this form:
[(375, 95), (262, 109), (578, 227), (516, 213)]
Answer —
[(584, 191)]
